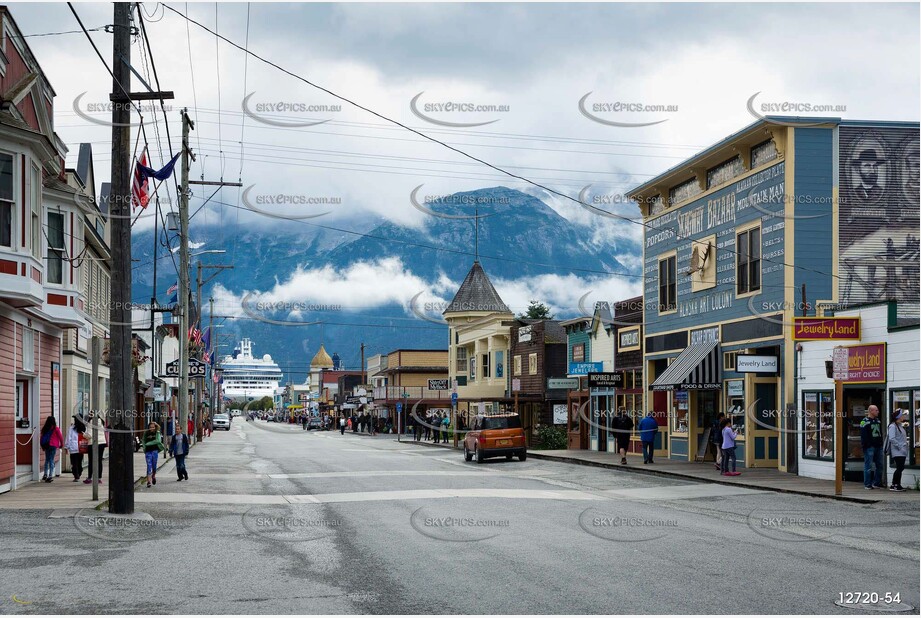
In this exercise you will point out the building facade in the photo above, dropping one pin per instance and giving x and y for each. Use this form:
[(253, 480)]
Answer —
[(538, 356), (769, 223), (406, 395)]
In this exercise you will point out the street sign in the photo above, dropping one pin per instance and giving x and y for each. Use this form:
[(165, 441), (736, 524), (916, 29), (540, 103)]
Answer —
[(302, 397), (562, 383), (516, 385), (399, 407), (197, 369), (453, 399), (355, 399), (438, 385)]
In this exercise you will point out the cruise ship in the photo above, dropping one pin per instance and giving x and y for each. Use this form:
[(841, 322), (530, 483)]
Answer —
[(248, 378)]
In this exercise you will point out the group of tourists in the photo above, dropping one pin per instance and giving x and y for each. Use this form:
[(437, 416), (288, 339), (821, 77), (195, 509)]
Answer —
[(433, 426), (876, 447), (79, 442)]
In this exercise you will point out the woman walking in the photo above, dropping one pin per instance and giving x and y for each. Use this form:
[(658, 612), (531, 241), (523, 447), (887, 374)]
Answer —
[(152, 442), (897, 447), (51, 440), (94, 456), (729, 448), (76, 439)]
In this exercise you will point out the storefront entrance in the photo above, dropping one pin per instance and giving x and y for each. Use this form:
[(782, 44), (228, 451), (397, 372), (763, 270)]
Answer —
[(763, 421), (856, 402)]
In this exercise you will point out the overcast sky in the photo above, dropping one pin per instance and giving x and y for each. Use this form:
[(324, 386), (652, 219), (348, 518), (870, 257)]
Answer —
[(703, 60)]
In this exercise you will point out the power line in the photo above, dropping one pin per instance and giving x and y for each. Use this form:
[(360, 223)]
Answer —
[(459, 151)]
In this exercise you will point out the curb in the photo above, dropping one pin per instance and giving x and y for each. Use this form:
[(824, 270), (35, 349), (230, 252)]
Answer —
[(663, 474)]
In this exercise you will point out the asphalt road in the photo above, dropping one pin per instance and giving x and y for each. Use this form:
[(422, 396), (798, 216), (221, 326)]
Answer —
[(277, 520)]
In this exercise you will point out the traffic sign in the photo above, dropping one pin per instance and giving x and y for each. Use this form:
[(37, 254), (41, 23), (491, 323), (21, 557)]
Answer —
[(453, 399), (516, 385), (399, 407)]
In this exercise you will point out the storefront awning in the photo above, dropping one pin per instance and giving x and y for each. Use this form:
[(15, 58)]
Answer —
[(697, 368)]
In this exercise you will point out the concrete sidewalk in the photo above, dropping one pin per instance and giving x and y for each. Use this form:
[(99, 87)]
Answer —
[(63, 493), (752, 478)]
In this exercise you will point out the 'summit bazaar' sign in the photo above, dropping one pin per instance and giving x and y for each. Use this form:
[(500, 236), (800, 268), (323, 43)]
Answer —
[(825, 329)]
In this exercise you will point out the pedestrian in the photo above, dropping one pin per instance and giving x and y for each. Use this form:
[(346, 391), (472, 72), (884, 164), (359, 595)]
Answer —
[(95, 454), (342, 426), (648, 428), (871, 439), (191, 427), (729, 448), (76, 446), (716, 440), (354, 420), (50, 440), (179, 448), (427, 426), (897, 448), (445, 427), (153, 444), (623, 425), (170, 429), (304, 421)]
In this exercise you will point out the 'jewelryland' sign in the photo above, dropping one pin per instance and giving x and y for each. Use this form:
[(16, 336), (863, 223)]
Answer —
[(866, 364), (824, 329)]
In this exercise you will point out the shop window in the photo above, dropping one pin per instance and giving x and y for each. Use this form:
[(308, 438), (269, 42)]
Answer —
[(668, 284), (735, 405), (748, 261), (517, 363), (532, 364), (83, 392), (55, 247), (6, 200), (909, 401), (818, 425), (680, 417)]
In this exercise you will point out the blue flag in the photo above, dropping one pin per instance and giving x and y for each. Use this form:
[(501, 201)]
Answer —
[(161, 174), (173, 299)]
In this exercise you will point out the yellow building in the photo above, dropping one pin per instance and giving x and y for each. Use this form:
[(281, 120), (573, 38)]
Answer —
[(479, 325)]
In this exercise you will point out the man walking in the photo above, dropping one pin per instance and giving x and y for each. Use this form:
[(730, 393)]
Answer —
[(179, 448), (341, 425), (716, 440), (871, 439), (648, 428)]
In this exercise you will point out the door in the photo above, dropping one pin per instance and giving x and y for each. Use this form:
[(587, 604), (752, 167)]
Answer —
[(763, 437), (856, 402)]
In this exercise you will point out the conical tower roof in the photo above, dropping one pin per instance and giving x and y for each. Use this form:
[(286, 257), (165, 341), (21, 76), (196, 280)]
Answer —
[(476, 293), (321, 359)]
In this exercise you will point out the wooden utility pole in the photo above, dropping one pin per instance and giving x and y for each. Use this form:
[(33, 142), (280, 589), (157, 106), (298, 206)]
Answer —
[(121, 453), (94, 406), (187, 125), (199, 430), (840, 425)]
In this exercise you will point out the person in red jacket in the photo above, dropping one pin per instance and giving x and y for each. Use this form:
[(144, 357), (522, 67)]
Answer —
[(51, 440), (191, 427)]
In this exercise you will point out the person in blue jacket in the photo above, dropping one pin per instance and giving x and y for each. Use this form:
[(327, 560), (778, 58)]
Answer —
[(648, 428), (179, 448)]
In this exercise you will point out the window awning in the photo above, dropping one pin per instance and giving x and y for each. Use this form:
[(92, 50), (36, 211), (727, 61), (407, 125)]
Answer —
[(697, 368)]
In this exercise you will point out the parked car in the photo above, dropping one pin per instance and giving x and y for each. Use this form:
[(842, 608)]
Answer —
[(495, 435), (221, 421), (315, 422)]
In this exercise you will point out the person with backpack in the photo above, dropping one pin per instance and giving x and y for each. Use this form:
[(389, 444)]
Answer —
[(716, 440), (897, 449), (179, 448), (871, 440), (50, 440), (76, 446), (152, 442), (445, 427), (729, 448), (648, 429)]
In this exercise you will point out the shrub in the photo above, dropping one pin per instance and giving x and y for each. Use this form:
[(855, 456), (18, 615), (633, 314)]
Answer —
[(551, 437)]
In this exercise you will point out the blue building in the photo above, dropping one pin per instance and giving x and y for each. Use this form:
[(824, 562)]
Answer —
[(787, 217)]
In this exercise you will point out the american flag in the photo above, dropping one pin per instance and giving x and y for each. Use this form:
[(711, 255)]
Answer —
[(140, 194), (195, 335), (173, 288)]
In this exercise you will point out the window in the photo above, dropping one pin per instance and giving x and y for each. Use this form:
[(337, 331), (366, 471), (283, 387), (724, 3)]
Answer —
[(748, 264), (517, 363), (763, 152), (6, 200), (818, 425), (83, 392), (461, 358), (685, 191), (532, 364), (28, 350), (36, 196), (729, 361), (668, 284), (909, 401), (500, 363), (724, 171), (512, 421), (55, 247), (680, 416), (472, 371)]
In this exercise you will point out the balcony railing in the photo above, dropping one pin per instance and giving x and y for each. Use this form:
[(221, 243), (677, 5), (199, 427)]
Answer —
[(414, 393)]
